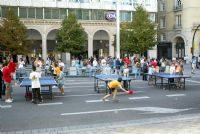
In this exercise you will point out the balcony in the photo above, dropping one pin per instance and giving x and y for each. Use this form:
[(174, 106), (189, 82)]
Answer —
[(177, 27), (178, 8)]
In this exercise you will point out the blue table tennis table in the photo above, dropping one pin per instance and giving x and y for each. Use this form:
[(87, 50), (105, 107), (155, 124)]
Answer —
[(172, 79), (44, 82), (107, 78)]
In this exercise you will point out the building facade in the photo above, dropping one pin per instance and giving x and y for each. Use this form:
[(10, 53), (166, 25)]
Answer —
[(43, 19), (178, 20)]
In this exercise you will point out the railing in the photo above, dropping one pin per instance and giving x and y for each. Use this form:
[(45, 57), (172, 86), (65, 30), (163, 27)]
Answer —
[(178, 8), (177, 27)]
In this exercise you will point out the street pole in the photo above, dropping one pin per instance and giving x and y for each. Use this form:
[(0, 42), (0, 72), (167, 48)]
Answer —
[(118, 29), (193, 39)]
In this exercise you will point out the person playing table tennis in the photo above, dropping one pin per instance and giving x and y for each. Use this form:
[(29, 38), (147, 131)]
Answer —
[(112, 87)]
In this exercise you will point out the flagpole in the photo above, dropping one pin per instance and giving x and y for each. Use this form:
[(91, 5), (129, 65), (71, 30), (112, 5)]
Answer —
[(118, 30)]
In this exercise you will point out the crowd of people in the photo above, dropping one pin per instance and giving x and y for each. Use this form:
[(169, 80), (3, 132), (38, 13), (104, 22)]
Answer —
[(10, 70)]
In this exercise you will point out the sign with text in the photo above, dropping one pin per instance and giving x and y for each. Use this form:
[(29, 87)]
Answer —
[(111, 16)]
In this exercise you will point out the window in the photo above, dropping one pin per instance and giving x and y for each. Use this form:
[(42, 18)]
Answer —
[(178, 21), (147, 3), (162, 5), (47, 13), (97, 15), (152, 17), (23, 12), (4, 11), (55, 13), (31, 13), (125, 16), (178, 3), (162, 22), (39, 13), (162, 37), (63, 13)]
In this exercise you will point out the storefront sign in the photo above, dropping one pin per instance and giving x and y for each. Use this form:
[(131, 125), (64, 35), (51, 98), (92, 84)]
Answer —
[(111, 16)]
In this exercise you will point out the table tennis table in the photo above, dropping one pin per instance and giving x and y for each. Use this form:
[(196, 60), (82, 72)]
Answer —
[(44, 82), (172, 79), (107, 78)]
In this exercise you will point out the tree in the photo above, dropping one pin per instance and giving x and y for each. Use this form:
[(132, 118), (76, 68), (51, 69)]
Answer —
[(71, 36), (139, 35), (13, 35)]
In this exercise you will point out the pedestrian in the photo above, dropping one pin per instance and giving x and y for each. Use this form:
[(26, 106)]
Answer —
[(194, 64), (35, 85), (61, 81), (7, 81), (112, 89)]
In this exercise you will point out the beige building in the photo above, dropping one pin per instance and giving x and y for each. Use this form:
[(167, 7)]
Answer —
[(43, 19), (178, 20)]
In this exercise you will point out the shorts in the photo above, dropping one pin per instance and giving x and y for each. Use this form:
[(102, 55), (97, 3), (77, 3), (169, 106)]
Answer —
[(60, 85), (8, 85), (111, 90)]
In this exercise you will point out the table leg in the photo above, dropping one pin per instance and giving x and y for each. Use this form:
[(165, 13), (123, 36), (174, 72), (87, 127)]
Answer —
[(50, 91)]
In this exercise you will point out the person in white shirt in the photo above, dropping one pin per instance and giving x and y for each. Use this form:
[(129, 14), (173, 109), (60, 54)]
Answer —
[(21, 63), (35, 85)]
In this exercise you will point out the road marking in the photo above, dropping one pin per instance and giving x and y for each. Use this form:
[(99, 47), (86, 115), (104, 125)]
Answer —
[(193, 81), (138, 98), (50, 104), (146, 109), (175, 95), (67, 86), (5, 106), (77, 95), (99, 94), (90, 101)]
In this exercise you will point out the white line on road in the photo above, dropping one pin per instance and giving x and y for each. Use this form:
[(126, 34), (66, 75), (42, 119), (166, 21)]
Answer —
[(138, 98), (50, 104), (99, 94), (5, 106), (175, 95), (77, 95), (146, 109), (193, 81), (90, 101), (68, 86)]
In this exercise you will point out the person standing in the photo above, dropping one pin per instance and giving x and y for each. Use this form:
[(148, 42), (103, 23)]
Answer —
[(35, 85), (61, 81), (194, 64), (7, 81)]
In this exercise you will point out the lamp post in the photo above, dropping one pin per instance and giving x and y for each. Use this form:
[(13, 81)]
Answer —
[(193, 40), (118, 29)]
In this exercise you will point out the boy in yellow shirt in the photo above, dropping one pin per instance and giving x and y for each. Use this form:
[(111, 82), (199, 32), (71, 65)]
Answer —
[(112, 89)]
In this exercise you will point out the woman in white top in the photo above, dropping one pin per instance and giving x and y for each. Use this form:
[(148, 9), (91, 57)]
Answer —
[(21, 63), (35, 85)]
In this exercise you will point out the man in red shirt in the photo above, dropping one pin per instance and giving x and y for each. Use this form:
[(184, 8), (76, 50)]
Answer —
[(7, 81)]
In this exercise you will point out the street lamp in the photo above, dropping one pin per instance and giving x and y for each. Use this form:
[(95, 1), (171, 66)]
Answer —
[(193, 40), (118, 28)]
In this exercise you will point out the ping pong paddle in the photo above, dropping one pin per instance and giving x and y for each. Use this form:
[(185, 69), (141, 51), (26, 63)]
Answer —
[(130, 92)]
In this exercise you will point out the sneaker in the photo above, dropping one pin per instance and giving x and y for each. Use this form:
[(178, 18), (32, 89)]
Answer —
[(8, 101), (104, 100), (115, 100)]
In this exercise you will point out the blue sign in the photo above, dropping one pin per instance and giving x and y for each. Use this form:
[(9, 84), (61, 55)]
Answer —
[(111, 16)]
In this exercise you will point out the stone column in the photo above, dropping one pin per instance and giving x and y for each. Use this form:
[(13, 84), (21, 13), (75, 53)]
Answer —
[(90, 46), (44, 46), (111, 47)]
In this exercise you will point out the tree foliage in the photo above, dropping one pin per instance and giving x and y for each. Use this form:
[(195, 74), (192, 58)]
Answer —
[(71, 36), (139, 35), (13, 35)]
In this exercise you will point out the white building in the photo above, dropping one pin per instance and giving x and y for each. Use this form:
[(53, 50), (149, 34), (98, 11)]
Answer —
[(43, 18)]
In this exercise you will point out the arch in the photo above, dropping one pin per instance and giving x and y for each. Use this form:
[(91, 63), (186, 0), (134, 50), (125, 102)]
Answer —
[(103, 29), (35, 38), (179, 46), (101, 43)]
